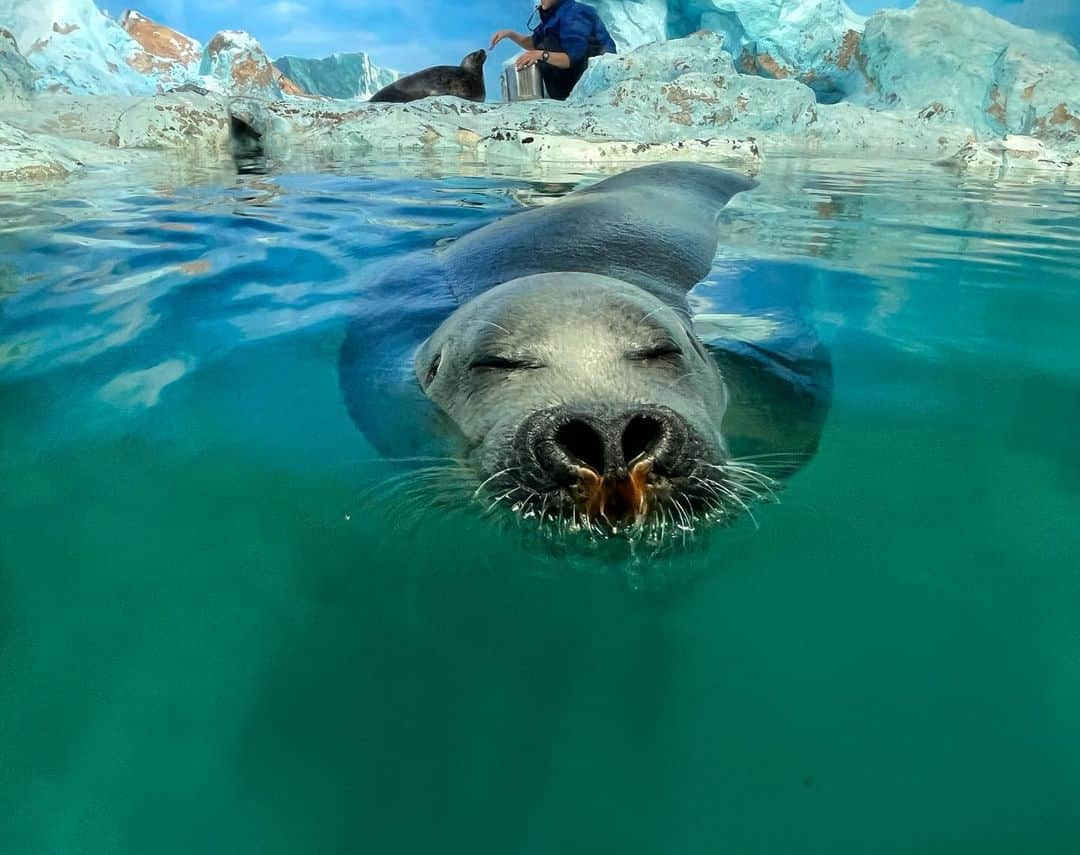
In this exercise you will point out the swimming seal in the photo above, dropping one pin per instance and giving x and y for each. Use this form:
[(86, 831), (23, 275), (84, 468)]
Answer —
[(558, 349), (464, 81)]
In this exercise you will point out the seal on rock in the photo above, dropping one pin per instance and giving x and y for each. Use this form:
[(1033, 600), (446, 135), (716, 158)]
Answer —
[(559, 349), (464, 81)]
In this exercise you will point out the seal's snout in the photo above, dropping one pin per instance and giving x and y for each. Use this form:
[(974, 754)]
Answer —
[(607, 449), (476, 59), (608, 444), (609, 461)]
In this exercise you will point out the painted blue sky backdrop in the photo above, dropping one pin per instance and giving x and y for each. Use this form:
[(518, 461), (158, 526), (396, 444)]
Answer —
[(411, 34)]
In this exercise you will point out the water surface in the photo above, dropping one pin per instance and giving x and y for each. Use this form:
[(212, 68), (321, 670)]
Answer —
[(209, 643)]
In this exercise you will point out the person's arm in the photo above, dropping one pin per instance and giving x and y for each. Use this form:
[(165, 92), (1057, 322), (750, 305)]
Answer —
[(525, 42), (573, 36), (530, 57)]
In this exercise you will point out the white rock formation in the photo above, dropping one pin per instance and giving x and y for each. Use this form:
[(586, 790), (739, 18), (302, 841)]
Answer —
[(812, 40), (1014, 151), (75, 48), (988, 73), (234, 62), (938, 81), (16, 75), (182, 121), (166, 55), (29, 157), (349, 76), (690, 88)]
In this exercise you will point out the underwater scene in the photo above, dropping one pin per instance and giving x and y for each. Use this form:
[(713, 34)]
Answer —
[(627, 426), (226, 629)]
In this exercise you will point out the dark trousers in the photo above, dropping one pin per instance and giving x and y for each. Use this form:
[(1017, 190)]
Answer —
[(559, 82)]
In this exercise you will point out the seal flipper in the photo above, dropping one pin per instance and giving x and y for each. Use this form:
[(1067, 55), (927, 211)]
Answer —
[(777, 404), (654, 227), (400, 305), (754, 319)]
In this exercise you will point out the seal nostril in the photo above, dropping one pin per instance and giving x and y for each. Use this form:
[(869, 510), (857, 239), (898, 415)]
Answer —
[(582, 444), (641, 436)]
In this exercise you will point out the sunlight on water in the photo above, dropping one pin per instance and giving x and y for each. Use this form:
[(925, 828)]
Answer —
[(209, 642)]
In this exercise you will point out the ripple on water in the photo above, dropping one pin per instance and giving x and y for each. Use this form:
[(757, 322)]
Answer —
[(269, 255)]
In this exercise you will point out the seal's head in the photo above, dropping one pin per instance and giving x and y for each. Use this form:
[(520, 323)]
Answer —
[(585, 400), (474, 62)]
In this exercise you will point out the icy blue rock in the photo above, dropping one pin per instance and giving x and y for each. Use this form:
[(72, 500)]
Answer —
[(682, 97), (813, 41), (234, 62), (689, 87), (74, 47), (963, 61), (342, 75), (16, 75), (171, 56), (940, 60), (751, 78)]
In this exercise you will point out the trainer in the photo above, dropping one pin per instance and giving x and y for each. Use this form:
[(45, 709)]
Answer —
[(568, 35)]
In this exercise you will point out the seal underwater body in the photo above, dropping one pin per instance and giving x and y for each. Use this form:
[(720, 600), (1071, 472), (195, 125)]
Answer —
[(464, 81), (559, 350)]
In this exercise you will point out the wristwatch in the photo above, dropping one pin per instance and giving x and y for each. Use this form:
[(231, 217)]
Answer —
[(545, 56)]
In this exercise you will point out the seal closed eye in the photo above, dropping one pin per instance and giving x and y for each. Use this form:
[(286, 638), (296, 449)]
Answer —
[(562, 362)]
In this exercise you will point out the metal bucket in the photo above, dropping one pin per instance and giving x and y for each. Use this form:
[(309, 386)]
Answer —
[(522, 84)]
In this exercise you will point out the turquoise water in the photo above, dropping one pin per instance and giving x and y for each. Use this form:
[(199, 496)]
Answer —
[(210, 641)]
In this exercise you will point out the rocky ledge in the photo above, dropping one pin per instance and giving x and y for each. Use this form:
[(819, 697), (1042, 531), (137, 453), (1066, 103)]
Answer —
[(917, 83)]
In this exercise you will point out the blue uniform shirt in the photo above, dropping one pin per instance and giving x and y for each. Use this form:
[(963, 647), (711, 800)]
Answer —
[(576, 28)]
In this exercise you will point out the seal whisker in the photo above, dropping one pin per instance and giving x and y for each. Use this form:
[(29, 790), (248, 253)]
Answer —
[(730, 493), (688, 374), (742, 489), (491, 478), (719, 511), (403, 480), (691, 516), (680, 522), (740, 502), (677, 505), (543, 508), (798, 455), (412, 459), (501, 498), (650, 313), (432, 496), (739, 475), (734, 465), (665, 519), (764, 490), (716, 511), (493, 324), (752, 472), (716, 505)]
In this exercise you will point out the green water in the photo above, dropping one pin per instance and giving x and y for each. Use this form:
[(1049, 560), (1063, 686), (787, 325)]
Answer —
[(208, 643)]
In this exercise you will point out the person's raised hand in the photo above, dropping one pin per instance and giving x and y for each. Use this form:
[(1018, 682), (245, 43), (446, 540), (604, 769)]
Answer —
[(499, 36)]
